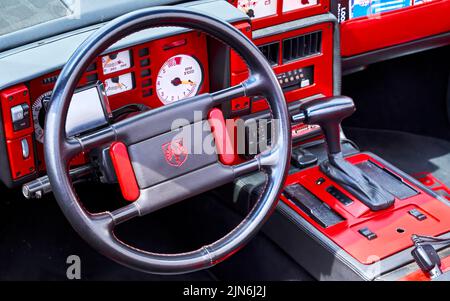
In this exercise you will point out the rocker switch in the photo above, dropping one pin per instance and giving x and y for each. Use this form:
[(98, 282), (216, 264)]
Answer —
[(17, 113), (20, 116), (417, 214), (367, 233)]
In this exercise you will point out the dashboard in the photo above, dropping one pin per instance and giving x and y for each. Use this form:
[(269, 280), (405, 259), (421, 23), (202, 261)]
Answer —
[(156, 67), (152, 74)]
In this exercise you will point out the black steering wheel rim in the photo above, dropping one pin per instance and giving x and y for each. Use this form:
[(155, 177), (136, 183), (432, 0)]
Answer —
[(97, 229)]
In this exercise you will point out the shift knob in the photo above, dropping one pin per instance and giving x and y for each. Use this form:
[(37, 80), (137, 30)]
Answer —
[(328, 113)]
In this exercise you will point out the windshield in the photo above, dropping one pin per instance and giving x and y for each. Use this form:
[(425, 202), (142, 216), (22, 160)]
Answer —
[(19, 14)]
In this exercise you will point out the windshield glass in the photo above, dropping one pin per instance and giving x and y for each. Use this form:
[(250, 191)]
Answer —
[(19, 14)]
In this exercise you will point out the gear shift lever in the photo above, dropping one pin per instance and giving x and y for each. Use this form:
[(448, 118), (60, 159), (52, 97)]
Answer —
[(328, 113)]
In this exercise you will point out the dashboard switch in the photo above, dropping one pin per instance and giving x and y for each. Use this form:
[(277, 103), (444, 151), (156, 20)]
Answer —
[(345, 200), (20, 116), (17, 113), (417, 214), (25, 148), (367, 233)]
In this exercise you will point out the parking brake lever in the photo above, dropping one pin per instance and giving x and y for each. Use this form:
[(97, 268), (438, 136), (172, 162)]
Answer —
[(328, 113)]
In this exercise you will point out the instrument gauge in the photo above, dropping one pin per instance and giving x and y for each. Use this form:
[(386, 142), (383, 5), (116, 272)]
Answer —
[(116, 62), (179, 77), (119, 84), (256, 9)]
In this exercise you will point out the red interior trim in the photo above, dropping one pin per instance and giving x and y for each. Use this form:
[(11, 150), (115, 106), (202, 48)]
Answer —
[(395, 27), (279, 17), (124, 171), (433, 183), (19, 166), (384, 223)]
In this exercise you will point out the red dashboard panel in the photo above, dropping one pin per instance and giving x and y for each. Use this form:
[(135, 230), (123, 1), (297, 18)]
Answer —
[(146, 60), (20, 164), (396, 27), (393, 226), (322, 64), (306, 8), (144, 72)]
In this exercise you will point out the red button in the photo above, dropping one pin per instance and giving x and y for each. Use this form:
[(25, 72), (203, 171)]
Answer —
[(124, 171)]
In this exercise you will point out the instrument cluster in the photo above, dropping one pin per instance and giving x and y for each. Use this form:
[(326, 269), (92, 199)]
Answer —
[(154, 74)]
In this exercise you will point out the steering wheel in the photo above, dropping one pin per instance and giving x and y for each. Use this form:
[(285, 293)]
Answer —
[(98, 229)]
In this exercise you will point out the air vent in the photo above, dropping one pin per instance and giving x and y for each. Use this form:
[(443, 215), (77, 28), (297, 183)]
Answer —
[(302, 46), (50, 80), (271, 52)]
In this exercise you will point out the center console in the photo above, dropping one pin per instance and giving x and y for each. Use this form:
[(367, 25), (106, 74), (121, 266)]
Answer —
[(346, 214)]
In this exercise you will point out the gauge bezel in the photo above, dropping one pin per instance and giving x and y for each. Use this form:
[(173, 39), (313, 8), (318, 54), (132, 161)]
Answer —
[(133, 82), (200, 86), (130, 58)]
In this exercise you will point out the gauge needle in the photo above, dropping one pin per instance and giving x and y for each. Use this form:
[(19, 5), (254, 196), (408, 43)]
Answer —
[(122, 85), (110, 58), (177, 81)]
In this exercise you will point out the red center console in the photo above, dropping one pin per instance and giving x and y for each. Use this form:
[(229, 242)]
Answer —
[(366, 235), (351, 214), (335, 236)]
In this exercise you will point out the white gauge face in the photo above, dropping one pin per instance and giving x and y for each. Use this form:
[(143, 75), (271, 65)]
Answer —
[(256, 9), (38, 111), (119, 84), (179, 77), (289, 5), (116, 62)]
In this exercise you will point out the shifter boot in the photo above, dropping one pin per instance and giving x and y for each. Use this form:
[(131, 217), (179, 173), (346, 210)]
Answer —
[(356, 182)]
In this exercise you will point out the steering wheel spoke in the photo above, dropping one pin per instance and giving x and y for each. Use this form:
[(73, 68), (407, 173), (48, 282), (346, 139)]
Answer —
[(226, 94), (253, 86), (76, 145), (186, 186), (125, 213)]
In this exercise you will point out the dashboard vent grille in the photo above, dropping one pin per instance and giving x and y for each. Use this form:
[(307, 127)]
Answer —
[(271, 52), (50, 80), (302, 46)]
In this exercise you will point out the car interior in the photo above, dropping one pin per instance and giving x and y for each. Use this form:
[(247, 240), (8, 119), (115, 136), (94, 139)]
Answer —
[(260, 140)]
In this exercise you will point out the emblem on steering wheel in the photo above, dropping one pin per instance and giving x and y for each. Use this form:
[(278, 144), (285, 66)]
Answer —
[(175, 153)]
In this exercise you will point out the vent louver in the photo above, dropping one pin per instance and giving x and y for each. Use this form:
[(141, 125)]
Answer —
[(302, 46), (271, 52)]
